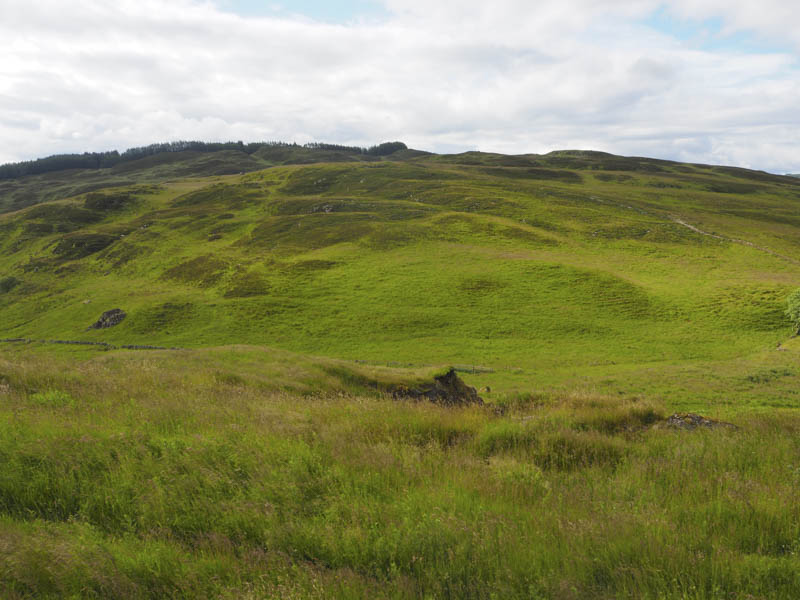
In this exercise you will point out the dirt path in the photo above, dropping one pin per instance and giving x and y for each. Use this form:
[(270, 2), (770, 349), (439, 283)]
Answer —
[(680, 221)]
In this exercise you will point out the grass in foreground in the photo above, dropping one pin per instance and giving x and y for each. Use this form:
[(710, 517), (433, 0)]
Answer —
[(126, 477)]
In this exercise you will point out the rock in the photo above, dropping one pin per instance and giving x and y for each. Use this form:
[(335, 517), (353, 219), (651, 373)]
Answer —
[(109, 319), (691, 421), (447, 389)]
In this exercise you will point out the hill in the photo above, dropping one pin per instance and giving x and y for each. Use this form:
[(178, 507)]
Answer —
[(255, 422), (27, 183), (572, 268)]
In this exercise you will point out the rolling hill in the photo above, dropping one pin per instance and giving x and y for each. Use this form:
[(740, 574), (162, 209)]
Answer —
[(573, 268), (255, 425)]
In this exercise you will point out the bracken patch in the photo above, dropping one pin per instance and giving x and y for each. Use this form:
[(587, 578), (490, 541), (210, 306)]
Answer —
[(203, 271), (8, 283), (81, 245), (245, 285), (107, 202), (284, 234), (157, 319)]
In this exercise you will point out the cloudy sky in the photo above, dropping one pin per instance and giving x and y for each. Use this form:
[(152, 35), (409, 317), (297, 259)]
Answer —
[(713, 81)]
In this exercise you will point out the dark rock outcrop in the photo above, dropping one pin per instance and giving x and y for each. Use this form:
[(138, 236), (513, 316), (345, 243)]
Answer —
[(109, 319), (691, 421), (447, 389)]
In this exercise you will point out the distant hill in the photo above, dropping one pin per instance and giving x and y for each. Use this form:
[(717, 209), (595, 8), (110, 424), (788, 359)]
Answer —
[(543, 268), (27, 183)]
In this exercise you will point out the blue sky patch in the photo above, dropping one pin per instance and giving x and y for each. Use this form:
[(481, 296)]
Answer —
[(708, 35), (341, 11)]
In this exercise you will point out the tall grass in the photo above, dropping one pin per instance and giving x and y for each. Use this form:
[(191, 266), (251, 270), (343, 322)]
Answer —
[(147, 485)]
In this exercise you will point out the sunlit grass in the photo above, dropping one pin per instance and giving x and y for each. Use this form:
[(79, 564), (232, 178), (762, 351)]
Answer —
[(568, 288), (162, 482), (565, 272)]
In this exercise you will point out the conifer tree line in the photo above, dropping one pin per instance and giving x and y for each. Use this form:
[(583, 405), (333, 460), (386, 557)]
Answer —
[(106, 160)]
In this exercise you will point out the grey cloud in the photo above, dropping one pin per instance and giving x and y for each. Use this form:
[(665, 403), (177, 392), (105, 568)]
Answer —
[(512, 76), (18, 121), (653, 69)]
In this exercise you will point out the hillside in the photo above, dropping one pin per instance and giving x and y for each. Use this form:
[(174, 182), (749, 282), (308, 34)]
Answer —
[(574, 268), (274, 439), (55, 177)]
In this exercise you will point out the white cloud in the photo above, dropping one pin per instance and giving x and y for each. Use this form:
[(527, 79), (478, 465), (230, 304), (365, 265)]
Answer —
[(509, 76)]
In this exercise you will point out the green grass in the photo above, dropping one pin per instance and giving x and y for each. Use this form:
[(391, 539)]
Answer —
[(587, 295), (21, 192), (472, 266), (193, 474)]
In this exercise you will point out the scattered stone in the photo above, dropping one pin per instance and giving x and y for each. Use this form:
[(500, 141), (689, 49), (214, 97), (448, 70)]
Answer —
[(691, 421), (109, 319), (447, 389), (145, 347), (104, 345), (500, 410)]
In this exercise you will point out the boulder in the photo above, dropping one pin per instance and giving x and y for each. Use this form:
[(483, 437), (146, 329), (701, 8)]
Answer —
[(691, 421), (447, 389), (109, 319)]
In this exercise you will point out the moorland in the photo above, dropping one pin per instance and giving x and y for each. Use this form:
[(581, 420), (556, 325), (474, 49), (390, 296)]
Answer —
[(251, 442)]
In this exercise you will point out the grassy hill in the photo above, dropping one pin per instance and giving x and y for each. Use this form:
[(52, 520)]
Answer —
[(587, 295), (51, 183), (569, 269)]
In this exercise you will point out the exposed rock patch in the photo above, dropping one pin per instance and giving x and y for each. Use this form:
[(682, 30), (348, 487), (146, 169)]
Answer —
[(692, 421), (109, 319), (447, 389)]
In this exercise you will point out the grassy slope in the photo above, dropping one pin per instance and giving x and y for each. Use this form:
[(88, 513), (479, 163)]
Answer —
[(275, 470), (16, 194), (569, 270)]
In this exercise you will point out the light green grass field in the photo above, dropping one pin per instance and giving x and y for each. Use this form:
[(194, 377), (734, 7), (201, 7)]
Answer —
[(592, 294)]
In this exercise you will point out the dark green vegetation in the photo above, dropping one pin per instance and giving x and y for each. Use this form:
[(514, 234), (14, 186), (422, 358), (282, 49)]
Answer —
[(593, 294), (26, 183), (107, 160)]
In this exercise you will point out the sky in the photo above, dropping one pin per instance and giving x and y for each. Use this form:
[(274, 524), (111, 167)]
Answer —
[(709, 81)]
